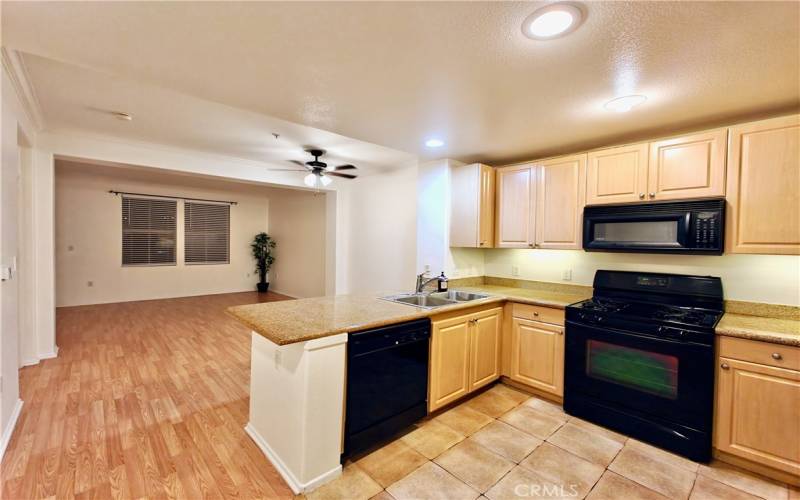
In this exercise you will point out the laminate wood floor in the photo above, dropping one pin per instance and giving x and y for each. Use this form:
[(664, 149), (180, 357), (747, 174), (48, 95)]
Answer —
[(145, 399)]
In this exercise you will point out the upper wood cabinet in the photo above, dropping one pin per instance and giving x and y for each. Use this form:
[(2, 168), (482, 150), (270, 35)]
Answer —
[(465, 354), (617, 175), (472, 206), (540, 204), (516, 198), (690, 166), (560, 198), (763, 190)]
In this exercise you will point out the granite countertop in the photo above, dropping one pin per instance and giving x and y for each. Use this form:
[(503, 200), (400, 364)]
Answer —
[(776, 330), (290, 321)]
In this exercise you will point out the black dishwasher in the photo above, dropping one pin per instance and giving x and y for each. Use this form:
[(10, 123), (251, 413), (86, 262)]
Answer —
[(387, 382)]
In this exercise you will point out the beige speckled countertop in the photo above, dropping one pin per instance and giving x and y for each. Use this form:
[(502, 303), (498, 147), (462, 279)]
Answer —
[(287, 322), (776, 330)]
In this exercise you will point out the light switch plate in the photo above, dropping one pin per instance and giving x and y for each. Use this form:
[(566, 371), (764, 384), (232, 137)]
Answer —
[(566, 275), (5, 273), (514, 270)]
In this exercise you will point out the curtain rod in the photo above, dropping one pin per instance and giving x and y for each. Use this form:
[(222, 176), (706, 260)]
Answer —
[(173, 197)]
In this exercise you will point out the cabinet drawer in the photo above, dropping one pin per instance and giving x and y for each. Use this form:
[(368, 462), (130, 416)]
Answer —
[(539, 313), (764, 353)]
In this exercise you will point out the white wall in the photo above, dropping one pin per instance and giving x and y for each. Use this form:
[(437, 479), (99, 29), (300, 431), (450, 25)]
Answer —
[(757, 278), (89, 239), (297, 222)]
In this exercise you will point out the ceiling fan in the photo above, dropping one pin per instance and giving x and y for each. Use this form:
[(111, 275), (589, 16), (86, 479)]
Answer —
[(319, 173)]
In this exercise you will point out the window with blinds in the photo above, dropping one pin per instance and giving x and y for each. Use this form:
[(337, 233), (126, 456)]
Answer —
[(207, 232), (149, 231)]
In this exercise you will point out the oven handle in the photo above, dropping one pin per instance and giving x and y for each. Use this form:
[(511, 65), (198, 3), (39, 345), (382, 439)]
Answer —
[(633, 335)]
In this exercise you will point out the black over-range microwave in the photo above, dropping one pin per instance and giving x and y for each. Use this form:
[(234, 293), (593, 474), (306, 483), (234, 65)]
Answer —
[(696, 227)]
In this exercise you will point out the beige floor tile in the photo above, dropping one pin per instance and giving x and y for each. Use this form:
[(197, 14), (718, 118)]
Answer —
[(548, 407), (586, 444), (524, 483), (431, 482), (706, 488), (491, 403), (533, 422), (394, 461), (432, 438), (511, 393), (562, 467), (353, 484), (669, 480), (464, 419), (506, 441), (663, 455), (383, 495), (598, 429), (615, 487), (475, 465), (743, 480)]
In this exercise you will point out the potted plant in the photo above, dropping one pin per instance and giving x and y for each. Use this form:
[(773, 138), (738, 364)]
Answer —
[(262, 251)]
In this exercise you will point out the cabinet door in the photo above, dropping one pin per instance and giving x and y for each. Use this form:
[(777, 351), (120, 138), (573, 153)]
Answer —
[(515, 206), (617, 175), (758, 414), (449, 361), (485, 357), (560, 197), (472, 206), (691, 166), (537, 355), (764, 187)]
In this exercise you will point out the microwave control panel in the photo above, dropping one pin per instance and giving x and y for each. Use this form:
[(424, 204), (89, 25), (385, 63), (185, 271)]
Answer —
[(707, 229)]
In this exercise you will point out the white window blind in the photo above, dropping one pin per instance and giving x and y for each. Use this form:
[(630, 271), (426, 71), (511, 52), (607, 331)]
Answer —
[(207, 231), (148, 231)]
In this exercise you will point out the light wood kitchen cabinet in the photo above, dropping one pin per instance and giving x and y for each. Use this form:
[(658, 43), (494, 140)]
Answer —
[(472, 206), (690, 166), (560, 198), (516, 198), (535, 351), (617, 175), (540, 204), (465, 355), (758, 404), (763, 193)]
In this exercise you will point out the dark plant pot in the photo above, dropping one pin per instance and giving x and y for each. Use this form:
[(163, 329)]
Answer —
[(262, 287)]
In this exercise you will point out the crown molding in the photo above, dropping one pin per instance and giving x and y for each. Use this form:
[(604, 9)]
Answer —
[(15, 68)]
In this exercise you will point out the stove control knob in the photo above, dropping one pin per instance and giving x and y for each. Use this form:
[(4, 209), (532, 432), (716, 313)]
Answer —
[(660, 329), (599, 319)]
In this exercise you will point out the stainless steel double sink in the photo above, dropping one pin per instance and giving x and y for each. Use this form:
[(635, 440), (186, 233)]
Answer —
[(437, 299)]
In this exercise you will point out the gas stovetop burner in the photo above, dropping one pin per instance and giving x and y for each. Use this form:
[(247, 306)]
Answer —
[(598, 304)]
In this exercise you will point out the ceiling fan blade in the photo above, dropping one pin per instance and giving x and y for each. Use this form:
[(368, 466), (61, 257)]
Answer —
[(346, 176), (298, 162), (344, 167), (286, 170)]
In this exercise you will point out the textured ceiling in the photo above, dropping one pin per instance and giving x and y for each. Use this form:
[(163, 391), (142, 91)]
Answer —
[(395, 73)]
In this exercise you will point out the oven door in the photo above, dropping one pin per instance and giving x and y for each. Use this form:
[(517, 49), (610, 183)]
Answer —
[(646, 232), (668, 379)]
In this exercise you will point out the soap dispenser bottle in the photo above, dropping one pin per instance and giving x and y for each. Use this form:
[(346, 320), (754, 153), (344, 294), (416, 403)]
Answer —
[(442, 283)]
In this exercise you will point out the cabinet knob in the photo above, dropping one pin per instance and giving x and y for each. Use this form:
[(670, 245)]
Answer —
[(652, 195), (724, 366), (561, 332), (641, 196), (530, 245), (481, 243), (776, 355), (535, 313)]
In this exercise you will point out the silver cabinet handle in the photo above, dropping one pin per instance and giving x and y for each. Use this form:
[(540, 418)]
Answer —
[(776, 355), (652, 195), (724, 366), (641, 196)]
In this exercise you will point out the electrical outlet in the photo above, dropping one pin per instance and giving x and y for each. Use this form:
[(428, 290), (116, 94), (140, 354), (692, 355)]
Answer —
[(566, 275), (514, 270), (427, 268)]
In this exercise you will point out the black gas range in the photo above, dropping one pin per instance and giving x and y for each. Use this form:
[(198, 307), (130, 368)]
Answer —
[(639, 358)]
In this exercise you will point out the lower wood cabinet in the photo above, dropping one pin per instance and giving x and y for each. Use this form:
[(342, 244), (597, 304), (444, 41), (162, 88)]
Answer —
[(537, 355), (465, 355), (758, 404)]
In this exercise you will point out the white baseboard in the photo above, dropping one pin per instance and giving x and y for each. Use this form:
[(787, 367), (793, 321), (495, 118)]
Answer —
[(35, 361), (284, 293), (295, 484), (29, 362), (49, 355), (9, 430)]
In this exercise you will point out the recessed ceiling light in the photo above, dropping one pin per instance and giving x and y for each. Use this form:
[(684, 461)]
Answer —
[(434, 143), (119, 115), (552, 21), (625, 103)]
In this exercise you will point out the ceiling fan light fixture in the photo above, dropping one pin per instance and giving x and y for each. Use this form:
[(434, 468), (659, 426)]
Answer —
[(325, 180), (310, 180)]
